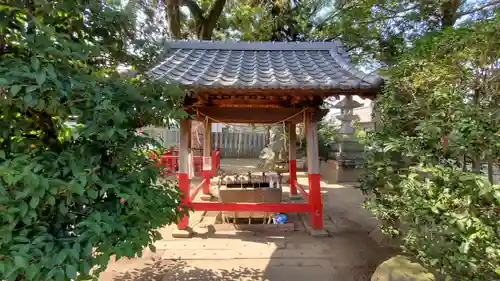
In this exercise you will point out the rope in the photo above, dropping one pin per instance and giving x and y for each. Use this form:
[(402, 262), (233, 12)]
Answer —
[(281, 121), (198, 113)]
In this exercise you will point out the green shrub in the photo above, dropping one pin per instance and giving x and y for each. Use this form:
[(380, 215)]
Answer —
[(448, 219), (72, 197), (421, 188), (327, 133)]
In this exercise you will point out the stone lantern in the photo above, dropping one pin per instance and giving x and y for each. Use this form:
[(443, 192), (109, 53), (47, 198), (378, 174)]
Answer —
[(349, 151)]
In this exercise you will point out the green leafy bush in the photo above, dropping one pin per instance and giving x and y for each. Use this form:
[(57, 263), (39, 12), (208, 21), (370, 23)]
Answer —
[(327, 133), (421, 188), (70, 197), (448, 219)]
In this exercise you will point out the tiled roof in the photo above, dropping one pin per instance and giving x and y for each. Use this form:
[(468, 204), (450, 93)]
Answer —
[(220, 64)]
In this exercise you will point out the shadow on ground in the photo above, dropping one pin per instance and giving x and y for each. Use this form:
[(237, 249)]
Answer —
[(181, 271), (291, 256), (273, 269)]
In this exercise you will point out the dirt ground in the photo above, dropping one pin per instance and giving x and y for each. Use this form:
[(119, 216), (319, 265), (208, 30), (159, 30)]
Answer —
[(348, 254)]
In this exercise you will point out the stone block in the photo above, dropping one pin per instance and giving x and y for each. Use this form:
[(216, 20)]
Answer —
[(401, 268), (249, 195), (332, 172), (313, 232), (329, 171), (318, 232), (349, 174), (206, 197), (296, 197), (258, 227)]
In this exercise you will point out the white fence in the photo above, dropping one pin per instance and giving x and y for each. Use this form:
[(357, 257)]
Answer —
[(167, 137), (232, 144), (240, 144)]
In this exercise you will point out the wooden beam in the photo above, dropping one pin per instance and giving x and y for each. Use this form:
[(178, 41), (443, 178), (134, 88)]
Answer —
[(292, 137), (313, 175), (254, 101), (255, 115), (286, 91), (251, 207), (207, 140), (185, 128), (250, 106), (312, 146), (246, 101)]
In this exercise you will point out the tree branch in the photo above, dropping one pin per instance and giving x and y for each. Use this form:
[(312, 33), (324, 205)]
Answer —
[(449, 12), (211, 20), (404, 10), (332, 38), (341, 9), (173, 18), (195, 10), (477, 9)]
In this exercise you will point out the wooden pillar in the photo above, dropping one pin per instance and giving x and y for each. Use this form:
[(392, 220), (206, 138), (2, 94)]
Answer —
[(215, 161), (292, 155), (207, 156), (217, 138), (215, 152), (190, 137), (316, 212), (191, 166), (184, 153), (305, 133)]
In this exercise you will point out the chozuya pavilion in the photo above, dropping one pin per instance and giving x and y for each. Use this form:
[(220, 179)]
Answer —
[(260, 83)]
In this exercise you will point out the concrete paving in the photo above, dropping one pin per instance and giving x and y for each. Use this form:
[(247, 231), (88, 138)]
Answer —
[(347, 254)]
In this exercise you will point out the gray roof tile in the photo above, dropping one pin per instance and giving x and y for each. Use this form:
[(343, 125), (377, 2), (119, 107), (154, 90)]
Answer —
[(220, 64)]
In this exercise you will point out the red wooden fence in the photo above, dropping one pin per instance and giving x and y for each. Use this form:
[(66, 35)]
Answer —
[(169, 162)]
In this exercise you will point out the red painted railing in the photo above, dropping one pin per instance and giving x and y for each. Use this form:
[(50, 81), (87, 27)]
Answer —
[(215, 161), (251, 207), (312, 198), (169, 162), (303, 193), (197, 189)]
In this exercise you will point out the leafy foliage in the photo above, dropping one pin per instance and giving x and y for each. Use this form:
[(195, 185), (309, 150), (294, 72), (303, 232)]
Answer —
[(375, 31), (70, 197), (271, 20), (203, 19), (443, 88), (447, 218), (249, 20), (327, 133)]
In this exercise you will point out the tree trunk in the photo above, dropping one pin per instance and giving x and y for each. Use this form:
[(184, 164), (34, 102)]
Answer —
[(205, 25), (209, 23), (449, 12), (464, 167), (476, 164), (490, 170), (173, 18)]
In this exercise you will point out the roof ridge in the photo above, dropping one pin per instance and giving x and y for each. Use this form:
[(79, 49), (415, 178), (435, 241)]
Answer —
[(249, 46)]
